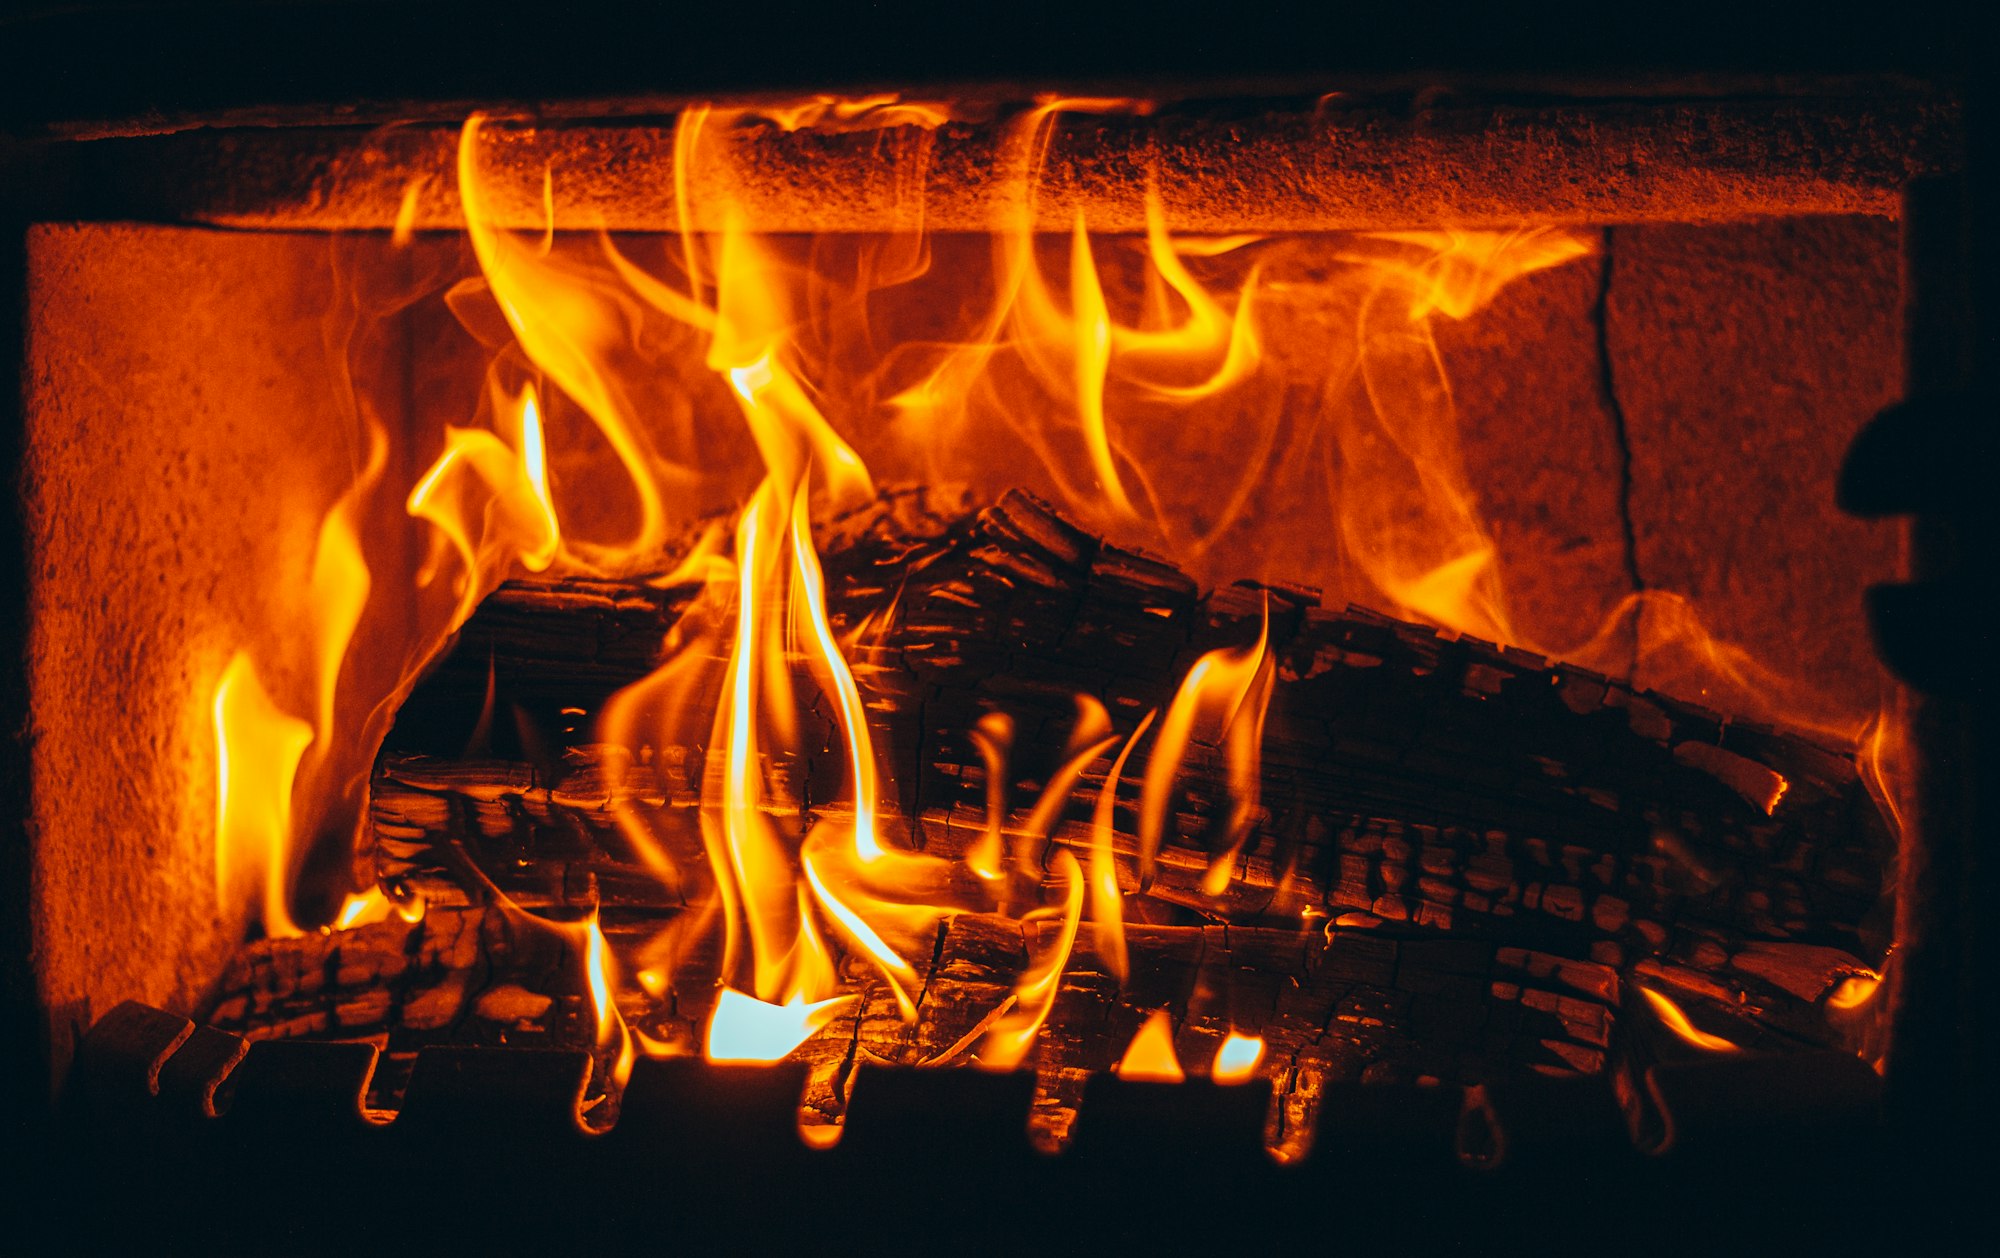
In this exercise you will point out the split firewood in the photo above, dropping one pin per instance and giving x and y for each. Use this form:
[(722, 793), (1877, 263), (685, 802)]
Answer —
[(1331, 1007), (1464, 860), (1444, 783)]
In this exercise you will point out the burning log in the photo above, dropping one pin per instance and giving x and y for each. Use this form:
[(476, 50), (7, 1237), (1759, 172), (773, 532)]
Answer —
[(1462, 858), (1331, 1007), (1449, 784)]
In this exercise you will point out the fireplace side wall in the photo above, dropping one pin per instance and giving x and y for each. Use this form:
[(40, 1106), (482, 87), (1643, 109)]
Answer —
[(186, 427)]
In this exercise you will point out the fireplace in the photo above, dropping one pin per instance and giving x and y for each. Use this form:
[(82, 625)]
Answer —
[(1259, 639)]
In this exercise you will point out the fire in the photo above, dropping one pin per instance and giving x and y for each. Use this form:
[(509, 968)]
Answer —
[(268, 760), (1150, 1058), (490, 502), (994, 736), (612, 1035), (1007, 1044), (1674, 1020), (375, 905), (1087, 359), (1237, 1059), (746, 1029), (1417, 532), (1884, 748), (1222, 700), (257, 750), (568, 331), (1107, 902)]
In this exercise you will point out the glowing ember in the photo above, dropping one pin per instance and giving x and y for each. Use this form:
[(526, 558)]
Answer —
[(1237, 1060), (1151, 1058)]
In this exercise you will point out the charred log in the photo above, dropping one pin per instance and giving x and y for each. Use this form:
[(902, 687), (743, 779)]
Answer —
[(1466, 861), (1449, 784), (1334, 1007)]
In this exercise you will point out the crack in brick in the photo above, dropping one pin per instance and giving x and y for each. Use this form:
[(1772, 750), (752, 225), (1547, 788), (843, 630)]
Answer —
[(1607, 380)]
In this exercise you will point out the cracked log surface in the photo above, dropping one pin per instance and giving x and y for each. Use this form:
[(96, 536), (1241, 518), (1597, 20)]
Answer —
[(1464, 860)]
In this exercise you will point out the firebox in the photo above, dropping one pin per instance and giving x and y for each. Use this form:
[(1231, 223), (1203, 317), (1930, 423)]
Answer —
[(992, 655)]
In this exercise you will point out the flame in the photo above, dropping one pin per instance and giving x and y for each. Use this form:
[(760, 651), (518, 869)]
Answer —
[(1090, 324), (280, 777), (1237, 1059), (993, 736), (1007, 1044), (1225, 697), (1416, 530), (610, 1023), (747, 1029), (1107, 902), (1455, 272), (569, 330), (1884, 762), (406, 214), (853, 718), (838, 113), (1088, 741), (1150, 1058), (374, 905), (900, 975), (1078, 384), (257, 751), (338, 585), (491, 502), (1674, 1020)]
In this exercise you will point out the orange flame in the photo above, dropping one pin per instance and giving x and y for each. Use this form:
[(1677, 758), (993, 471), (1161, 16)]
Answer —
[(276, 774), (405, 227), (257, 755), (375, 905), (569, 331), (1007, 1044), (610, 1023), (504, 489), (993, 736), (1416, 530), (1151, 1058), (1226, 693), (1107, 903), (1884, 748)]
